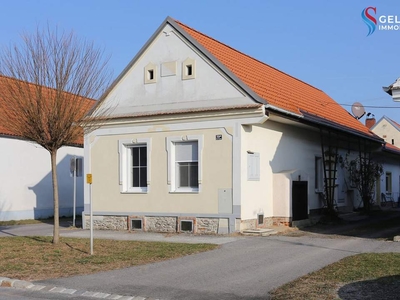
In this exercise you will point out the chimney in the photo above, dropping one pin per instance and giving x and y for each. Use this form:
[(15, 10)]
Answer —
[(369, 122)]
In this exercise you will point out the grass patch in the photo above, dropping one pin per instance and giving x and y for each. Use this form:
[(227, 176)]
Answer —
[(32, 221), (36, 258), (381, 269)]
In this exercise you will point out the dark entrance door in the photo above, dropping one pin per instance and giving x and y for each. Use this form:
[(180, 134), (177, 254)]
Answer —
[(299, 200)]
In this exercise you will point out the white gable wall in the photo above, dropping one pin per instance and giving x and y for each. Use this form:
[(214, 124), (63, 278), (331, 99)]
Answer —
[(26, 186), (283, 149), (207, 89), (387, 131)]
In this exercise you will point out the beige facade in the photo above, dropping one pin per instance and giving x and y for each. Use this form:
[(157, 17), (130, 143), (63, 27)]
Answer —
[(216, 166), (388, 130)]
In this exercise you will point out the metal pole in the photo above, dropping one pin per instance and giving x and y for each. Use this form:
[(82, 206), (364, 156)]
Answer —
[(91, 219), (74, 212)]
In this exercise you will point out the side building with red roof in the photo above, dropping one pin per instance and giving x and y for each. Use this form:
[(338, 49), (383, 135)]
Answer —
[(204, 138), (26, 190)]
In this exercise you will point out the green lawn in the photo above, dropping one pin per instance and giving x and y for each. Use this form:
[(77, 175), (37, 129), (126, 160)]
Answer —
[(380, 271), (35, 258)]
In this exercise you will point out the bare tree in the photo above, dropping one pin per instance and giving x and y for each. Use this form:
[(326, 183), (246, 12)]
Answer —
[(49, 79)]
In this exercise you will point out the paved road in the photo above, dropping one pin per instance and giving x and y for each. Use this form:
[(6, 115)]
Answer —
[(242, 268), (247, 268)]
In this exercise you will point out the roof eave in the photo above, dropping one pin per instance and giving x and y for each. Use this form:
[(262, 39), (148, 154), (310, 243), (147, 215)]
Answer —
[(330, 124)]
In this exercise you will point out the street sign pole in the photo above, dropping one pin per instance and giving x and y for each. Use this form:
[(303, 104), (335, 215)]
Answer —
[(89, 181), (74, 212), (91, 220)]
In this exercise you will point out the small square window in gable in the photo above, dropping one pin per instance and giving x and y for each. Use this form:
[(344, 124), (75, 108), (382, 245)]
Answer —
[(188, 69), (150, 73)]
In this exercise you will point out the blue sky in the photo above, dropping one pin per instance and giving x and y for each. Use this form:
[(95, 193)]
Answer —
[(323, 43)]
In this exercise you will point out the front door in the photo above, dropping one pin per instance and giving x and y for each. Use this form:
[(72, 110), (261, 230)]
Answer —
[(299, 200)]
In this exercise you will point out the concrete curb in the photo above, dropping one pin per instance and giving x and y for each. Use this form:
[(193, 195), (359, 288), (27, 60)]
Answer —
[(21, 284)]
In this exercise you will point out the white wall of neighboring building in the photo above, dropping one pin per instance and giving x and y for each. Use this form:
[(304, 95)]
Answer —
[(283, 149), (391, 165), (387, 130), (26, 187)]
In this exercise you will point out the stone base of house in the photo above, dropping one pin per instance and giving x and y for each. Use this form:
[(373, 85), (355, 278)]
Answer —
[(173, 224), (196, 225), (267, 222)]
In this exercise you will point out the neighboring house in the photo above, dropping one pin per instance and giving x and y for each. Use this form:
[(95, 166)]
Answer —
[(26, 190), (387, 129), (390, 181), (204, 138)]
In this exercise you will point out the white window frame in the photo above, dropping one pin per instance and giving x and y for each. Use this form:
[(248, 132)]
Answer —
[(319, 174), (125, 164), (171, 179)]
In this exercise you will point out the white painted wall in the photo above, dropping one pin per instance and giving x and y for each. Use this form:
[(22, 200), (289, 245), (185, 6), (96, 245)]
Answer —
[(282, 148), (391, 164), (208, 89), (26, 185), (387, 131)]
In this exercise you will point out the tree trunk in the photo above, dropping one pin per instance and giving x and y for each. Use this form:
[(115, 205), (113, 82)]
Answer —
[(56, 233)]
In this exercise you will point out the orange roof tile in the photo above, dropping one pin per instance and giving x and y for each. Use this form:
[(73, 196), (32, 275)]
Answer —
[(397, 124), (391, 148), (87, 104), (276, 87)]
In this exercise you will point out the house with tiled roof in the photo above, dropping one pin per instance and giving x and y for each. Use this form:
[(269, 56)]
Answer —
[(204, 138), (389, 131), (26, 191)]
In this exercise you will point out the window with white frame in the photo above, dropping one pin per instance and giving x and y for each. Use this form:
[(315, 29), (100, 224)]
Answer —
[(184, 163), (134, 165), (138, 166)]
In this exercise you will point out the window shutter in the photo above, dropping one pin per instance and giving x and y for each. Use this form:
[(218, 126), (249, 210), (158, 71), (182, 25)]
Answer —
[(253, 166), (186, 151)]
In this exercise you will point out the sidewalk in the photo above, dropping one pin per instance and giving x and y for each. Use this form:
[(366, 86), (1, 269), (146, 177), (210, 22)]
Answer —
[(152, 236)]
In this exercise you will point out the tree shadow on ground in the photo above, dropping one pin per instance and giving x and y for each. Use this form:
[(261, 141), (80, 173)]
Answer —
[(381, 288), (376, 225)]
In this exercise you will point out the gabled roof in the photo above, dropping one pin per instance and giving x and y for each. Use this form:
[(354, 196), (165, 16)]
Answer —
[(390, 121), (278, 91), (274, 87), (6, 131)]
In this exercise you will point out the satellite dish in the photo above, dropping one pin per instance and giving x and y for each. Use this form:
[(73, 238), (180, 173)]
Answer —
[(358, 110)]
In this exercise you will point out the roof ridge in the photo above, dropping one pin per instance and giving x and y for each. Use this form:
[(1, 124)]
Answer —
[(247, 55)]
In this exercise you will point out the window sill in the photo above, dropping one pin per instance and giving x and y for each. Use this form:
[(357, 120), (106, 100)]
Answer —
[(185, 191), (135, 191)]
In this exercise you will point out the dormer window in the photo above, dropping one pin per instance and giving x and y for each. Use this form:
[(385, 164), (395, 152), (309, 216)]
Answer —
[(188, 69), (150, 73)]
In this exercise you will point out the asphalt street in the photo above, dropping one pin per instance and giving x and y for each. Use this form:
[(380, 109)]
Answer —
[(242, 268), (247, 268)]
